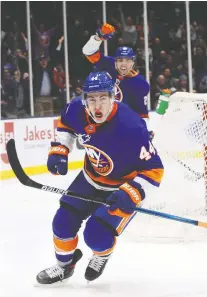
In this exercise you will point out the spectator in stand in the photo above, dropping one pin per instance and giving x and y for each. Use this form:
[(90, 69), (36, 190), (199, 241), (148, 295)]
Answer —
[(181, 32), (2, 35), (21, 93), (22, 63), (129, 31), (14, 39), (43, 88), (6, 54), (193, 31), (15, 91), (78, 91), (77, 36), (160, 64), (8, 91), (169, 62), (177, 71), (200, 42), (169, 82), (156, 48), (199, 62), (3, 105), (59, 81), (203, 84), (181, 55), (183, 84), (186, 73), (42, 40), (25, 41), (140, 63), (12, 42), (156, 89), (142, 51), (120, 42)]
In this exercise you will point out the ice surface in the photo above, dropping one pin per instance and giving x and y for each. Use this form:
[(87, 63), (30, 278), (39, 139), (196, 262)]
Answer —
[(143, 269)]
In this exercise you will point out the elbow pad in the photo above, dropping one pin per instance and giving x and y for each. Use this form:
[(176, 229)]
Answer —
[(92, 46)]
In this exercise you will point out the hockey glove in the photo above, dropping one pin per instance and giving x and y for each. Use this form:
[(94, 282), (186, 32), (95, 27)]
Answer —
[(57, 162), (106, 32), (125, 199)]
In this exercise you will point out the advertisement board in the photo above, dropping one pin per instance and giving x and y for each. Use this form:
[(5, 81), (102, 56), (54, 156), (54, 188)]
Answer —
[(32, 137)]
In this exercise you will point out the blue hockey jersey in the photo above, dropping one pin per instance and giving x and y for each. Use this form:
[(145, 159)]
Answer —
[(117, 150)]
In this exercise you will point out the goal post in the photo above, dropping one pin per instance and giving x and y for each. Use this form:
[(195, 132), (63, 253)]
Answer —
[(186, 118), (181, 141)]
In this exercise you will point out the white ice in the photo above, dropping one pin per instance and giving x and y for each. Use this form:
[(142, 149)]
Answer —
[(143, 269)]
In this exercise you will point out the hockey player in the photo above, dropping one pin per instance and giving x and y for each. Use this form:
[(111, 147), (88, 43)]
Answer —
[(118, 167), (131, 88)]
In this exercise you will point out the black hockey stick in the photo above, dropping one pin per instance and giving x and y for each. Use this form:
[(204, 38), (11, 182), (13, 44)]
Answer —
[(27, 181)]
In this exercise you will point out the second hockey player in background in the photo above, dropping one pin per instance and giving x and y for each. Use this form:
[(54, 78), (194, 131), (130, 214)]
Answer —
[(131, 87)]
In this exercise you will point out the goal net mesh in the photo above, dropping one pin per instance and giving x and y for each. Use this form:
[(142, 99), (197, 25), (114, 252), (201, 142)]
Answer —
[(181, 140)]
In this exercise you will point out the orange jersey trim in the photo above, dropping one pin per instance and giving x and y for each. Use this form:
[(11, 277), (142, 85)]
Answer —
[(61, 125), (119, 213), (144, 116), (67, 246), (154, 174), (113, 112), (94, 58), (132, 73), (124, 222)]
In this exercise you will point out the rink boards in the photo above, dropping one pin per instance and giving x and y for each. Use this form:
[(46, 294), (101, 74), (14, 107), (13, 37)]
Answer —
[(33, 137)]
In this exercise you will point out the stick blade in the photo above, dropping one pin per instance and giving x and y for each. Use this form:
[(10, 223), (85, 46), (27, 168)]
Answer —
[(14, 162)]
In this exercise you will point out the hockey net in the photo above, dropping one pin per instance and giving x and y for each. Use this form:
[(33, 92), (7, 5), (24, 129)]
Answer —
[(181, 140)]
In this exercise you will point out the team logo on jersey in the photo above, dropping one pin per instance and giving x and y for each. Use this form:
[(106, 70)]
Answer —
[(100, 161), (118, 93)]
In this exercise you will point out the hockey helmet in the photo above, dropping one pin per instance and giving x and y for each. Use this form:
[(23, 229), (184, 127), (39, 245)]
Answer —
[(124, 52), (98, 82)]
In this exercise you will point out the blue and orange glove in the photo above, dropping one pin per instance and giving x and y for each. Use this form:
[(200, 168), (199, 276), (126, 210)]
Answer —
[(125, 199), (57, 162), (106, 32)]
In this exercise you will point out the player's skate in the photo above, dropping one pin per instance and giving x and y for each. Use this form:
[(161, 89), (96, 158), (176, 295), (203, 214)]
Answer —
[(57, 273), (96, 266)]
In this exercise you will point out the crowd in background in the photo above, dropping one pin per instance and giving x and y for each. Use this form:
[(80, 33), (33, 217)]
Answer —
[(167, 49)]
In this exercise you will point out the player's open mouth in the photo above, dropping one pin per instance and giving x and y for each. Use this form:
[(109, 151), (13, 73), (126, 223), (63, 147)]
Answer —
[(98, 114)]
